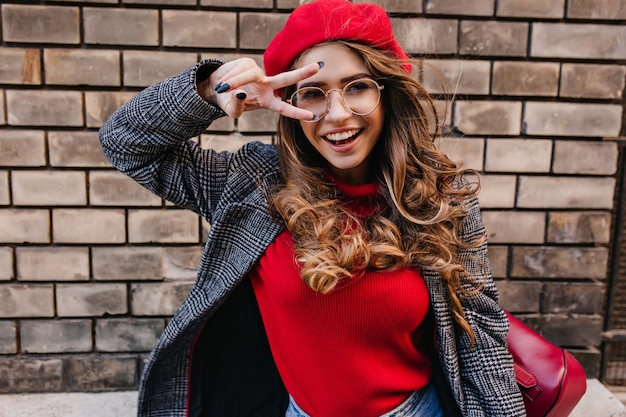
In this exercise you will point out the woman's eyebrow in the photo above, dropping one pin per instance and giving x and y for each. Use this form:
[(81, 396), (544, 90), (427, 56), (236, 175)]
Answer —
[(341, 81)]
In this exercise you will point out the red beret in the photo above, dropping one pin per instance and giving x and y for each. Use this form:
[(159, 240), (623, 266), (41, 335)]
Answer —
[(326, 20)]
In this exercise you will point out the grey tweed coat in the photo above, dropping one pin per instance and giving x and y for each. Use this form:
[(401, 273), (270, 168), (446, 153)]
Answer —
[(148, 139)]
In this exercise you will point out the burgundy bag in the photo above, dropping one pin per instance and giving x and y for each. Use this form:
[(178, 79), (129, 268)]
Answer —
[(552, 381)]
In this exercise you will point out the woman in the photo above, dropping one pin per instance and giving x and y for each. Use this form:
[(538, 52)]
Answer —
[(345, 271)]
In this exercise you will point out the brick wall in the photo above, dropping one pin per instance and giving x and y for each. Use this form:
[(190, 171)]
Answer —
[(92, 266)]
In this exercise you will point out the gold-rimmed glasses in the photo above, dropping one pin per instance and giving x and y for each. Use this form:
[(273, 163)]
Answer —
[(360, 97)]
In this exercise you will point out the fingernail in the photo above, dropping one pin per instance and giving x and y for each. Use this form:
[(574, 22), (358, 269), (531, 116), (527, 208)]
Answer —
[(315, 118), (217, 87), (321, 64), (224, 87), (241, 96)]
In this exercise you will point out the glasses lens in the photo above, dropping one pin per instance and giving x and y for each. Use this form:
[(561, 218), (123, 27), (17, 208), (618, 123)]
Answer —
[(361, 96), (312, 99)]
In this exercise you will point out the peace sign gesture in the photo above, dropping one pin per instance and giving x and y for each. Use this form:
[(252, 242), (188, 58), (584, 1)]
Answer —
[(241, 85)]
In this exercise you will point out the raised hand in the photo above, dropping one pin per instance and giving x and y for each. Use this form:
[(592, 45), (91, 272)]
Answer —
[(241, 85)]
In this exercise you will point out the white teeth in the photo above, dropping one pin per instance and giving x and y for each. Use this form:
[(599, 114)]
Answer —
[(336, 137)]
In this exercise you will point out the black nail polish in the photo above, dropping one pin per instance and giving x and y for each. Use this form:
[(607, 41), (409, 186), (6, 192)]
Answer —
[(241, 96), (321, 64), (223, 88), (217, 87)]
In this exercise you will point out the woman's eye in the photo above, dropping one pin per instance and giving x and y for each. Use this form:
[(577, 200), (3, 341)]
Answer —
[(311, 94), (357, 86)]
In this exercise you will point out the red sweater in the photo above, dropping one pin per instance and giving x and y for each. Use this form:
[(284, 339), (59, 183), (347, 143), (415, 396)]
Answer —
[(351, 352)]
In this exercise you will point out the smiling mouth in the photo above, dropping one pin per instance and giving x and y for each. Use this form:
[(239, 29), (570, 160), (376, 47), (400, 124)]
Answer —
[(343, 138)]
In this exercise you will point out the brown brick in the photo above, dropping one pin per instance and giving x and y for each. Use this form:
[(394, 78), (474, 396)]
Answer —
[(22, 148), (468, 8), (143, 68), (573, 119), (55, 336), (559, 262), (515, 227), (553, 9), (391, 6), (455, 76), (6, 263), (569, 330), (30, 375), (206, 228), (100, 105), (247, 4), (526, 78), (582, 157), (565, 192), (191, 29), (3, 119), (258, 121), (163, 226), (76, 149), (492, 38), (579, 227), (126, 263), (172, 2), (597, 9), (8, 338), (52, 263), (88, 226), (40, 24), (488, 117), (75, 300), (593, 81), (498, 260), (162, 299), (20, 66), (128, 335), (111, 188), (49, 188), (497, 191), (591, 360), (121, 26), (223, 124), (4, 188), (443, 108), (519, 296), (576, 298), (26, 301), (24, 226), (229, 143), (466, 151), (87, 373), (82, 67), (288, 4), (426, 36), (258, 29), (518, 155), (181, 262), (584, 41), (44, 108)]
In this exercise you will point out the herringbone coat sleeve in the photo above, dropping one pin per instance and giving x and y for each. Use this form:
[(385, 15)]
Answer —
[(150, 139), (486, 368)]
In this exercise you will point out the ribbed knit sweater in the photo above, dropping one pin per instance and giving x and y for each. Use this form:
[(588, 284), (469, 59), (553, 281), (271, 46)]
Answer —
[(355, 351)]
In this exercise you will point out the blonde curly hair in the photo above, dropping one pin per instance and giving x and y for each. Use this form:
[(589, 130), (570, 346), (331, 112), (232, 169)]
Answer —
[(422, 190)]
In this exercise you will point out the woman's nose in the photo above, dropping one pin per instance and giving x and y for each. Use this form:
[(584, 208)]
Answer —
[(337, 110)]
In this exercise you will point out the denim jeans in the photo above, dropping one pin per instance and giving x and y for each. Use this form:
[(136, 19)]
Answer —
[(422, 403)]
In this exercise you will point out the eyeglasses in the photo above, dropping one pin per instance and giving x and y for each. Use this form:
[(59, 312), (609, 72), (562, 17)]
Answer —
[(360, 97)]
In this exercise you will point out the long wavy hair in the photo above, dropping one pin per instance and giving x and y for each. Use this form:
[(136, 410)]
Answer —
[(422, 193)]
